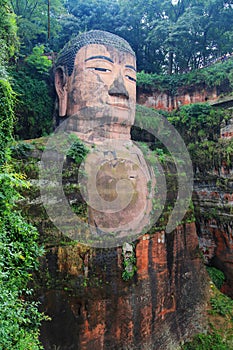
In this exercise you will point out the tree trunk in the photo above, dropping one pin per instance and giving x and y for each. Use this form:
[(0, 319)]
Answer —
[(170, 62)]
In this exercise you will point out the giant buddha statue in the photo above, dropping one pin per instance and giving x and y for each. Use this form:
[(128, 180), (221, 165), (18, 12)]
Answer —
[(95, 81)]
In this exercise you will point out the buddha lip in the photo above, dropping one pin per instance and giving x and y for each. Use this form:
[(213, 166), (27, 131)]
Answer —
[(119, 105)]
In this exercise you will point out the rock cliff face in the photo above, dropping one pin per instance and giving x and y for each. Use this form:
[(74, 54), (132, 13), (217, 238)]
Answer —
[(213, 201), (185, 95), (213, 191), (93, 308)]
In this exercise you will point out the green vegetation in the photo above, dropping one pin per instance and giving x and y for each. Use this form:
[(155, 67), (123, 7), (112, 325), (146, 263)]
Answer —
[(19, 250), (7, 117), (166, 37), (221, 305), (8, 34), (38, 62), (78, 150), (216, 276), (155, 30), (34, 24), (34, 95), (199, 126), (199, 122), (129, 265), (219, 335), (127, 274), (213, 341), (19, 253), (216, 75), (21, 150)]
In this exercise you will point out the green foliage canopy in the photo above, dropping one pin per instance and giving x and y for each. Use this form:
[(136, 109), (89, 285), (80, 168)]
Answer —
[(166, 37), (34, 102), (33, 20)]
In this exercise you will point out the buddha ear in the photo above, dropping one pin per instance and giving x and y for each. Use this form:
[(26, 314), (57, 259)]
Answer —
[(61, 89)]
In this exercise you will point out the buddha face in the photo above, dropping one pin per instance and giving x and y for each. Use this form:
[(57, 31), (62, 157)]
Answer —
[(102, 86)]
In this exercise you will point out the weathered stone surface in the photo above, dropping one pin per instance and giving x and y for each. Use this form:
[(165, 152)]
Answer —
[(160, 307), (92, 307), (214, 220), (185, 95), (120, 191)]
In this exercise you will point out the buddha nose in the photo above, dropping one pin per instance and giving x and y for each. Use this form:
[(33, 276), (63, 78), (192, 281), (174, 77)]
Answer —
[(118, 88)]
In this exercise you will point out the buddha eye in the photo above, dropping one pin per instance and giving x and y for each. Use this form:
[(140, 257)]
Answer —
[(131, 78), (100, 69)]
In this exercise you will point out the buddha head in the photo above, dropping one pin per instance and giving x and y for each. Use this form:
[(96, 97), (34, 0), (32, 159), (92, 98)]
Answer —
[(95, 81)]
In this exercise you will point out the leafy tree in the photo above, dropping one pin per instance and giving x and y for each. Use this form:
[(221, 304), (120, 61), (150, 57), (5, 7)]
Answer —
[(219, 75), (19, 254), (7, 117), (34, 103), (215, 18), (136, 25), (190, 32), (198, 122), (83, 16), (95, 14), (38, 22), (176, 37), (166, 37), (38, 61)]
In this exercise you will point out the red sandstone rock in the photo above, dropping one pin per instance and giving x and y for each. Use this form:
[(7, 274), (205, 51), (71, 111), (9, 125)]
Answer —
[(215, 232), (167, 102), (158, 308)]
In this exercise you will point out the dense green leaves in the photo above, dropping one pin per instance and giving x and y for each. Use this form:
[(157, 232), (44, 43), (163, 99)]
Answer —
[(34, 102), (218, 75), (34, 106), (6, 117), (36, 23), (198, 122), (19, 251), (216, 276), (212, 341), (38, 62), (199, 125), (166, 37), (8, 38), (78, 150)]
